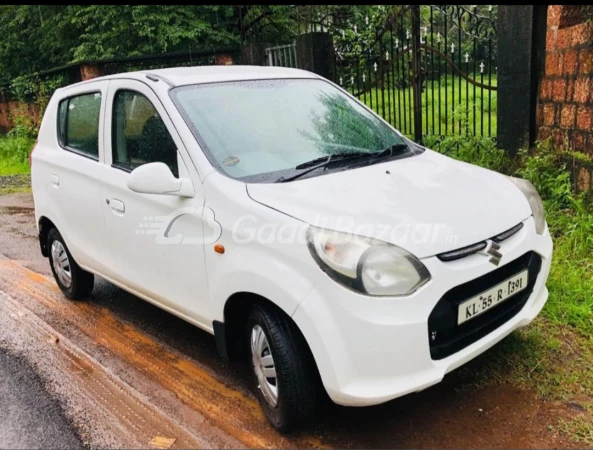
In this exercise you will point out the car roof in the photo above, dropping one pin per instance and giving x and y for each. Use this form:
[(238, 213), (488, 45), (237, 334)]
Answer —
[(182, 76)]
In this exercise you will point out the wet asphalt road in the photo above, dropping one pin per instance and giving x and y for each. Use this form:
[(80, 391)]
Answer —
[(170, 371), (29, 416)]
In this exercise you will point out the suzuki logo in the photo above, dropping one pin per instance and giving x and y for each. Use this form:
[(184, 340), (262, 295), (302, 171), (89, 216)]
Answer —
[(492, 250)]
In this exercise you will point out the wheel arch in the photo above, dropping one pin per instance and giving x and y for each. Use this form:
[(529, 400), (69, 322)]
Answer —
[(45, 224), (228, 334)]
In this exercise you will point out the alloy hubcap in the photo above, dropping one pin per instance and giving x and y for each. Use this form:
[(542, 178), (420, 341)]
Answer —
[(61, 263), (263, 365)]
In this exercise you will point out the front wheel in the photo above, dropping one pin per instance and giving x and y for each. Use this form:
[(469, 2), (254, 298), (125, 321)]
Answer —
[(73, 281), (284, 372)]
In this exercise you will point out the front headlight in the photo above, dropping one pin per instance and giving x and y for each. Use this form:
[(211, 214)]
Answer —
[(366, 265), (535, 201)]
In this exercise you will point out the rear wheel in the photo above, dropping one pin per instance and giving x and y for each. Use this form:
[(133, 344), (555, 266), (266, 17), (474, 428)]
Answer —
[(284, 372), (73, 281)]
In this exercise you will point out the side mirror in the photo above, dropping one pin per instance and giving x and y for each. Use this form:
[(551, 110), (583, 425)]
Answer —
[(157, 178)]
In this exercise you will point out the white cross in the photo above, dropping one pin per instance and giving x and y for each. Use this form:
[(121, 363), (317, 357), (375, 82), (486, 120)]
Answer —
[(375, 66), (466, 57), (364, 78), (407, 34), (482, 67), (452, 48), (366, 20), (351, 80), (340, 80), (396, 43), (439, 37), (387, 55)]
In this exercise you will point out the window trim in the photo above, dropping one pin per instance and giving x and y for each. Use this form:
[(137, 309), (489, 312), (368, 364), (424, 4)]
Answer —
[(59, 136), (113, 127)]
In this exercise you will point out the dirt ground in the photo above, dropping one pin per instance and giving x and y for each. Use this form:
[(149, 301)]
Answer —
[(130, 375)]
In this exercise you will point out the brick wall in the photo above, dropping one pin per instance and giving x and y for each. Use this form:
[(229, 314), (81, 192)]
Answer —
[(565, 100)]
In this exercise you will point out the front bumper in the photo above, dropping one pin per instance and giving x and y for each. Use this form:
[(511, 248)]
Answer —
[(370, 350)]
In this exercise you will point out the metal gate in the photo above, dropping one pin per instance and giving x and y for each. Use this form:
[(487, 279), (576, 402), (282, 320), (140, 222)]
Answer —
[(426, 69), (283, 55)]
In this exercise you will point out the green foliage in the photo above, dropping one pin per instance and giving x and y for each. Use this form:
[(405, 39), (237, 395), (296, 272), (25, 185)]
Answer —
[(440, 114), (481, 151), (14, 153), (125, 30), (547, 170), (40, 37)]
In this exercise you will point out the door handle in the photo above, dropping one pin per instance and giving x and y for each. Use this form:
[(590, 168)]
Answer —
[(116, 205), (55, 181)]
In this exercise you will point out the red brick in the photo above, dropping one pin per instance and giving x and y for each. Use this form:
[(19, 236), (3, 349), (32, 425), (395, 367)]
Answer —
[(567, 115), (544, 133), (580, 34), (582, 89), (586, 60), (548, 114), (569, 65), (578, 141), (564, 38), (550, 40), (584, 179), (584, 116), (559, 137), (569, 89), (545, 89), (552, 64), (554, 13), (559, 90)]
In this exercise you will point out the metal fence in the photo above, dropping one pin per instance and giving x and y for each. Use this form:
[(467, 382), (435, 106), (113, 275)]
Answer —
[(428, 70), (283, 55)]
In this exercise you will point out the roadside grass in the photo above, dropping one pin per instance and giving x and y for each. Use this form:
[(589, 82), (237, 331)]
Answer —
[(14, 189), (554, 355), (449, 106), (14, 152)]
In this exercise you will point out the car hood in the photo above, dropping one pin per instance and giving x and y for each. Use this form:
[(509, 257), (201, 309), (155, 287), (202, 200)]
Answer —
[(427, 204)]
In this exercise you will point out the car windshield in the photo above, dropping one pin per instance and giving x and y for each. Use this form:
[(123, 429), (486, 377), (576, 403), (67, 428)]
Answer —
[(261, 129)]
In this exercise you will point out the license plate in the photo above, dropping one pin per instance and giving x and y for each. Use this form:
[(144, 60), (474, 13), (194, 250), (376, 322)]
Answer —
[(489, 299)]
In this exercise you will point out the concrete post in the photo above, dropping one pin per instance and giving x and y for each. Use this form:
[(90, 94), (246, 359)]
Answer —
[(315, 53), (519, 56)]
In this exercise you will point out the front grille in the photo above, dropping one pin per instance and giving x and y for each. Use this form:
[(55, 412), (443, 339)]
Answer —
[(446, 337), (475, 248)]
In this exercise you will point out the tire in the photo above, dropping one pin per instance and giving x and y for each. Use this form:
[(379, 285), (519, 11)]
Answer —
[(297, 383), (79, 283)]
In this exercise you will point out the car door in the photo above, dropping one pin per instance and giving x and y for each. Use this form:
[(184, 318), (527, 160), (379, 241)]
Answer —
[(73, 167), (155, 239)]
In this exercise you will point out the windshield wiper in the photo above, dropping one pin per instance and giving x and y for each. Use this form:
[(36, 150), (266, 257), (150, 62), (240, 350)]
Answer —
[(390, 151), (323, 161)]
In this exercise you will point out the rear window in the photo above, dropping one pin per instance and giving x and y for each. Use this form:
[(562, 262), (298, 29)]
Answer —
[(78, 124)]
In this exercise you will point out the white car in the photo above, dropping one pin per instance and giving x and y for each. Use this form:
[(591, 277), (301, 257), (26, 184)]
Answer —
[(272, 209)]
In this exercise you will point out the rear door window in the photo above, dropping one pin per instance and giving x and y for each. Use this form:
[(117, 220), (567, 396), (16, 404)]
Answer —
[(78, 124)]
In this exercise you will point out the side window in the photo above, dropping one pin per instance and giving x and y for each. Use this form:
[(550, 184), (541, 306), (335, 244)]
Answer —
[(139, 135), (78, 123)]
